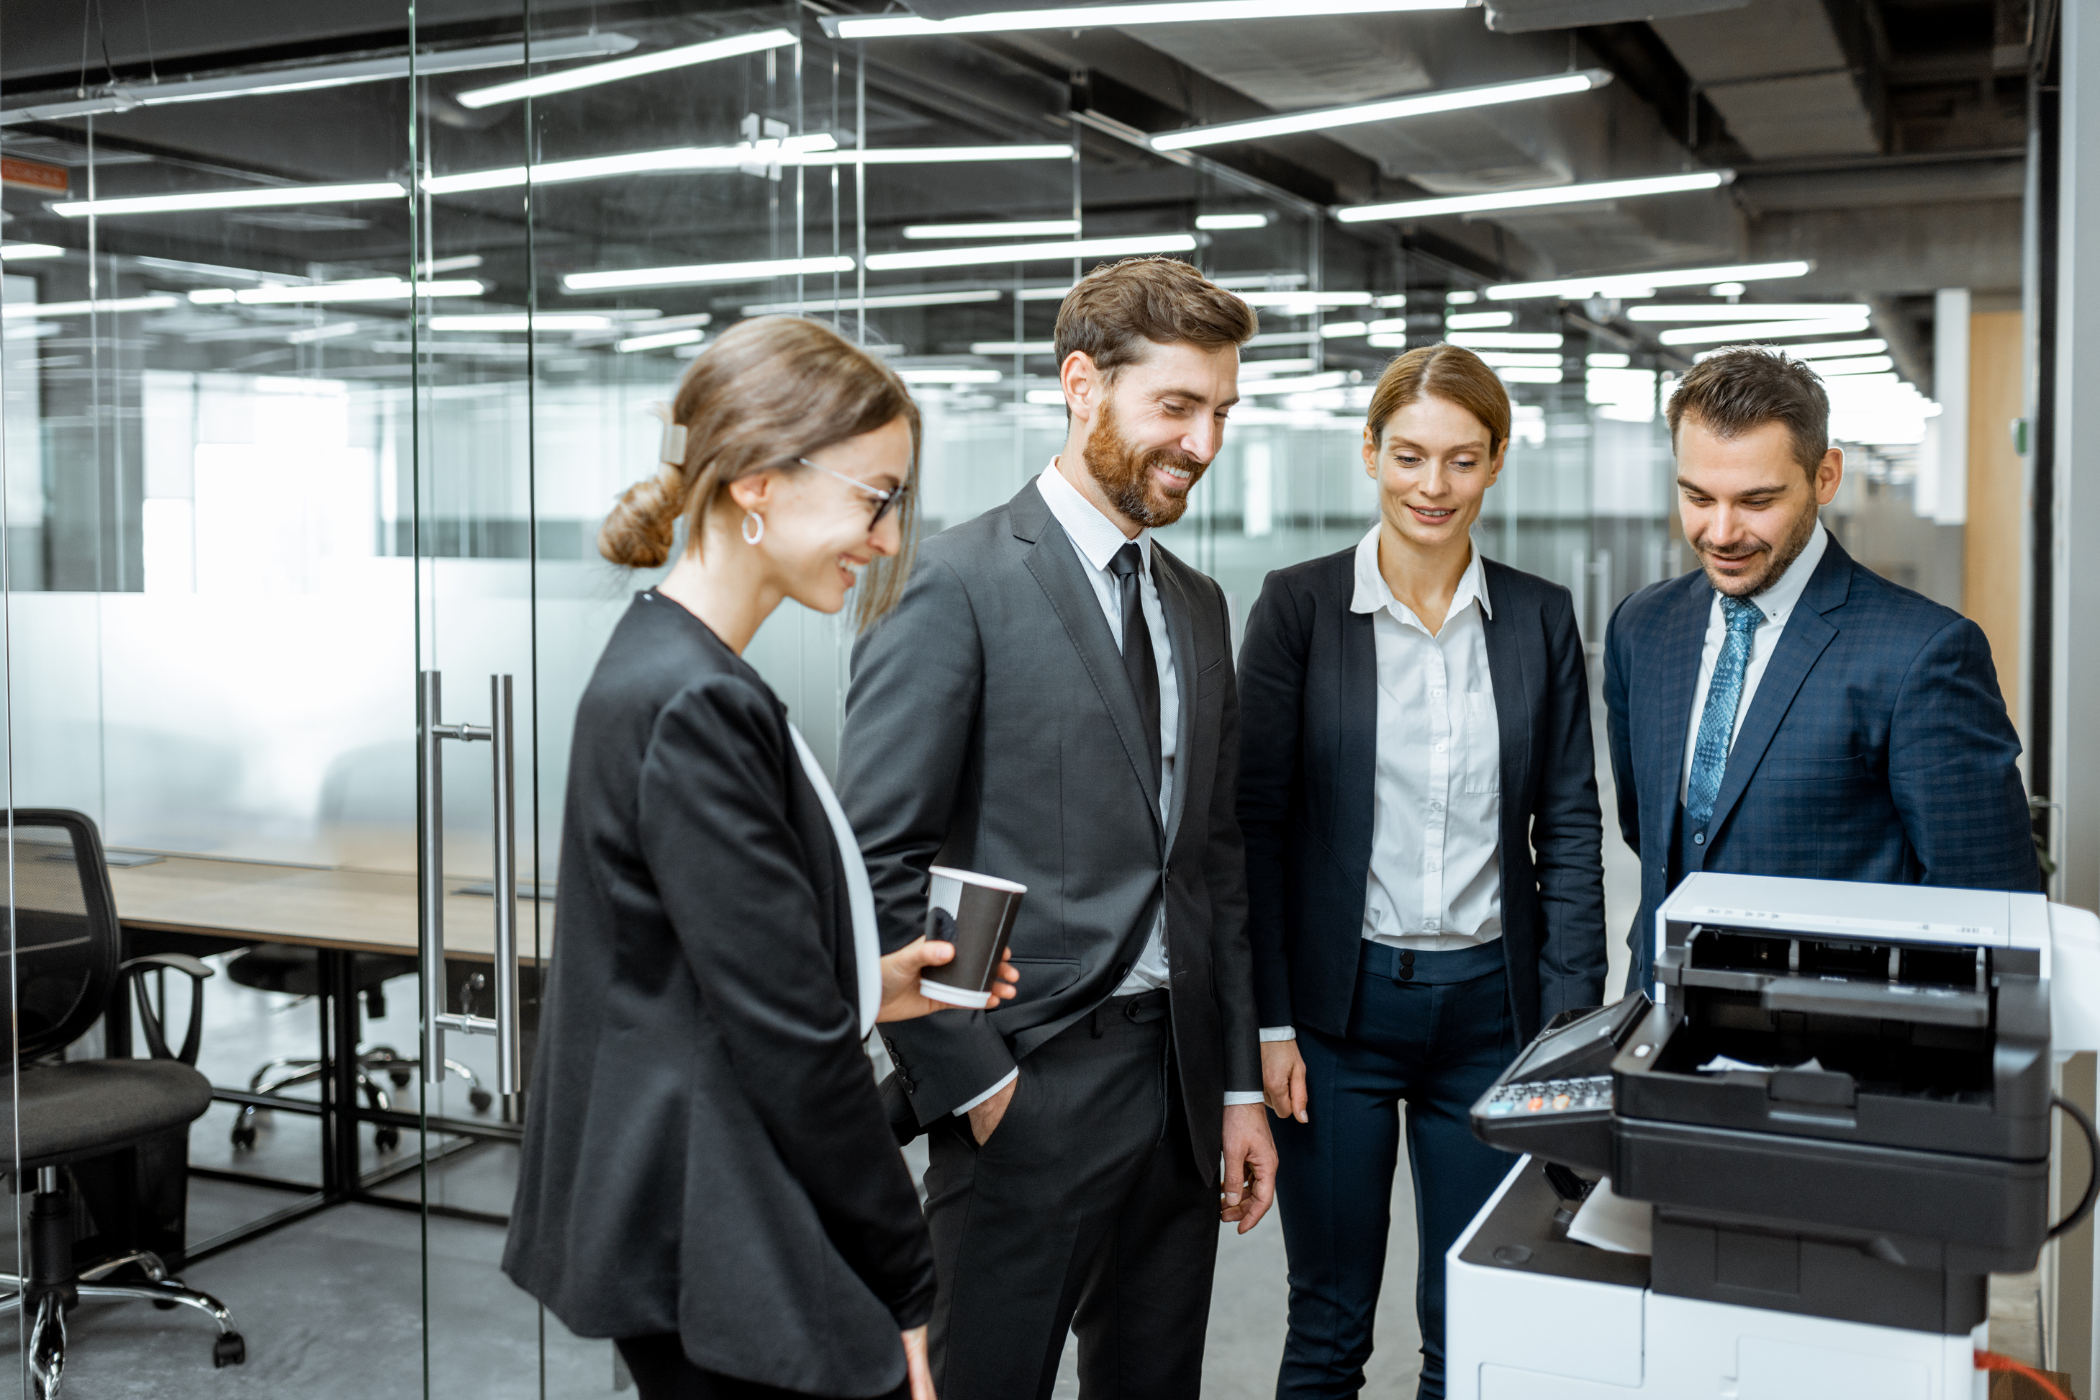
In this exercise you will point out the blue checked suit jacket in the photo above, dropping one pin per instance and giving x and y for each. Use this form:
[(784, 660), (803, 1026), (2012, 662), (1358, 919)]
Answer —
[(1876, 747)]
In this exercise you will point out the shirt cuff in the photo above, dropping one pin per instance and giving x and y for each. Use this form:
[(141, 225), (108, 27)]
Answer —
[(1244, 1096), (1279, 1032), (1011, 1076)]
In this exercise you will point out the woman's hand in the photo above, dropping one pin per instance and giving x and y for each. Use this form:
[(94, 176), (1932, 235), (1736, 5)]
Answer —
[(918, 1371), (1283, 1079), (901, 998)]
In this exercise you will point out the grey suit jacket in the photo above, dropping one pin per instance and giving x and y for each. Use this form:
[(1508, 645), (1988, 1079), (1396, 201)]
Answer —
[(990, 726)]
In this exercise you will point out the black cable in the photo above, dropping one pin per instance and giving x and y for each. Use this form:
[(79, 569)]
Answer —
[(2092, 1183)]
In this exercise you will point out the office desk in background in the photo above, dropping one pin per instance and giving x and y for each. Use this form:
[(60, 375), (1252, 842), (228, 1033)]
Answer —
[(201, 905)]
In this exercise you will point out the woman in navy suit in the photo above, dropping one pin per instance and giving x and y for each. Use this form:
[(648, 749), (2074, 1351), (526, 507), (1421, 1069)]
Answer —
[(1425, 886)]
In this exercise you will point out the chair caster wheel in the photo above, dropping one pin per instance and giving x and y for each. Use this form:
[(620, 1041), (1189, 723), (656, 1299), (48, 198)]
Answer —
[(228, 1350), (387, 1137), (243, 1133), (401, 1077), (481, 1099)]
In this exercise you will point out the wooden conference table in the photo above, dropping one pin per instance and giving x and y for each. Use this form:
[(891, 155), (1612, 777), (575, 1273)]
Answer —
[(201, 905)]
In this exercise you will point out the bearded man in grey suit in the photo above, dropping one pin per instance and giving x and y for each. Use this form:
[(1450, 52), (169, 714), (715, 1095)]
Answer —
[(1053, 702)]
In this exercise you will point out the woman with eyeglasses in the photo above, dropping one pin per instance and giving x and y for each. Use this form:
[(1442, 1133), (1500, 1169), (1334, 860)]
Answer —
[(708, 1175)]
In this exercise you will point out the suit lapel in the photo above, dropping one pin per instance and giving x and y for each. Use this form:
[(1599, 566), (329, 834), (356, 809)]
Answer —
[(1356, 721), (1512, 689), (1807, 633), (1181, 632), (1669, 687), (1057, 567)]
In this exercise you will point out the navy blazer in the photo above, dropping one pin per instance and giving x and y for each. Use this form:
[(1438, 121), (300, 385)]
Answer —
[(1308, 769), (1876, 747)]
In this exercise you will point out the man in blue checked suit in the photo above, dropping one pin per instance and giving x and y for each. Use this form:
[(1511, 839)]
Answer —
[(1783, 710)]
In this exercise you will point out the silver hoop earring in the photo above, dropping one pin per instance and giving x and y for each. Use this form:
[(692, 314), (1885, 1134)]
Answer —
[(754, 527)]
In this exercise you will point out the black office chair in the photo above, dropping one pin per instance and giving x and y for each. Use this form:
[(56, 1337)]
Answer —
[(67, 974), (278, 967)]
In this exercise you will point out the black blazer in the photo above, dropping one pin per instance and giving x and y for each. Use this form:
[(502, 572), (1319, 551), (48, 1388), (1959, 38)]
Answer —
[(1308, 764), (705, 1152), (991, 726)]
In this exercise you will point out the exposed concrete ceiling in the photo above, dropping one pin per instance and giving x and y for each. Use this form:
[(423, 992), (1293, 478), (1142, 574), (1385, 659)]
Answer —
[(1779, 74)]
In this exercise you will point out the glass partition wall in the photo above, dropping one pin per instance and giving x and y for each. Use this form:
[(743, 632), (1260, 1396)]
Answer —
[(314, 388)]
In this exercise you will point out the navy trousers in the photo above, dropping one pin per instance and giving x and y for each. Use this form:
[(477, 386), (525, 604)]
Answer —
[(1432, 1030)]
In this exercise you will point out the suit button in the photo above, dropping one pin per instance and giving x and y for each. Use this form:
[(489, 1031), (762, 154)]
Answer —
[(1698, 838)]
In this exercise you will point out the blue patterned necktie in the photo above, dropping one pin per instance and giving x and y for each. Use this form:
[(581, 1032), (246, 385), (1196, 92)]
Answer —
[(1717, 723)]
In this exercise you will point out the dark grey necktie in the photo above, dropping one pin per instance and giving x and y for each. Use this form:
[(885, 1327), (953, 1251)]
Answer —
[(1128, 566)]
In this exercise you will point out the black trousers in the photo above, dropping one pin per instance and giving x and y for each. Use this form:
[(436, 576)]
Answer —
[(1433, 1039), (662, 1372), (1084, 1212)]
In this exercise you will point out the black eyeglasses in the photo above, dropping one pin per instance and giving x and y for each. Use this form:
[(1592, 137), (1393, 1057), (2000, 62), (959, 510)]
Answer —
[(885, 501)]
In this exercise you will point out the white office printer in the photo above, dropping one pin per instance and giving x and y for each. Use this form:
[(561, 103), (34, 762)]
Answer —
[(1832, 1125)]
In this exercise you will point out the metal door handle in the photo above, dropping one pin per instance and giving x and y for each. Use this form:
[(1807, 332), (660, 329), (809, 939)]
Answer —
[(437, 1019)]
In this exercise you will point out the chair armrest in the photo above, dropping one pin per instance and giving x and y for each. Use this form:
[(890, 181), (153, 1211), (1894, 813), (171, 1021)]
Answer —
[(149, 1021)]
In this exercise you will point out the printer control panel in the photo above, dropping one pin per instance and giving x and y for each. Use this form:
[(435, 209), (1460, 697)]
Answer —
[(1548, 1096)]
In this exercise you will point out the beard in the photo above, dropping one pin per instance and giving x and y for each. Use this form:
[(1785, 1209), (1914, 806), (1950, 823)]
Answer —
[(1124, 473), (1782, 554)]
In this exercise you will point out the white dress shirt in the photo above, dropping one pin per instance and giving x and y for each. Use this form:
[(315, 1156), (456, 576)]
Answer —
[(1776, 602), (1435, 882), (1097, 540)]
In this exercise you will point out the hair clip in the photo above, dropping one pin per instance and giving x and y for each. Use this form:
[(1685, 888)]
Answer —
[(671, 450)]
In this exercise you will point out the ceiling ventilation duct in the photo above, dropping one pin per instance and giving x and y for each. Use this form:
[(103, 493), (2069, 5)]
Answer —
[(1522, 16)]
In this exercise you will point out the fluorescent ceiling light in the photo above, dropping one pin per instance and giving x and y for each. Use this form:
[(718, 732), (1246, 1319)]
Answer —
[(1508, 359), (1608, 359), (1311, 301), (1340, 330), (1458, 298), (1220, 223), (937, 155), (331, 331), (785, 151), (1507, 340), (543, 321), (1014, 347), (884, 302), (1043, 293), (1263, 369), (950, 376), (483, 349), (264, 197), (1828, 349), (1120, 16), (1621, 284), (570, 79), (26, 310), (1761, 330), (1281, 338), (9, 252), (1864, 364), (700, 273), (1517, 374), (1765, 311), (360, 289), (1034, 252), (1536, 198), (466, 262), (1393, 325), (1479, 320), (661, 340), (308, 77), (1388, 340), (1391, 109), (1017, 228), (1333, 379), (1046, 398), (1726, 289)]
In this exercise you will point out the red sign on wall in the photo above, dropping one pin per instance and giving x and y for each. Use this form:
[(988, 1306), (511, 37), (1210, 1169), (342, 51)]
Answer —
[(34, 175)]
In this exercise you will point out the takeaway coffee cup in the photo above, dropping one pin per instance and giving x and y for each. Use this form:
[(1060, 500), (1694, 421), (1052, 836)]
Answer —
[(975, 913)]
